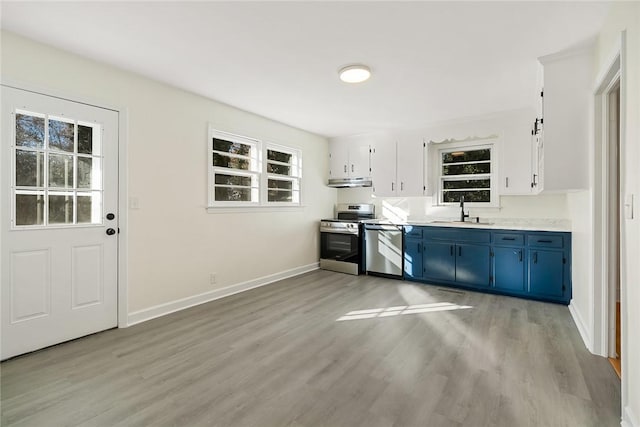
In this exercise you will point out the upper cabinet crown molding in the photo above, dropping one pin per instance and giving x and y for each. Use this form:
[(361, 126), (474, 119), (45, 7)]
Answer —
[(467, 139)]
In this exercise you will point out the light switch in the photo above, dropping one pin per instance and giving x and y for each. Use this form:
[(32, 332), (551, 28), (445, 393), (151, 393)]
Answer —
[(628, 206), (134, 203)]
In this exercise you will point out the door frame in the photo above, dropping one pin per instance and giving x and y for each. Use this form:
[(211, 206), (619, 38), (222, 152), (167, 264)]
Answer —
[(123, 220), (603, 298)]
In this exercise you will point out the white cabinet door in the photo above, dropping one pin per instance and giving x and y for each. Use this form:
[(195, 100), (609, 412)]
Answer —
[(410, 166), (564, 143), (383, 167), (358, 165), (338, 160), (516, 156)]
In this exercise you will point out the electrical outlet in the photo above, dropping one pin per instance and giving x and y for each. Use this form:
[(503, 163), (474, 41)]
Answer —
[(213, 278)]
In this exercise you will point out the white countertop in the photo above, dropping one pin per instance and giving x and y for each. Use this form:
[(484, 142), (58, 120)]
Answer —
[(489, 223)]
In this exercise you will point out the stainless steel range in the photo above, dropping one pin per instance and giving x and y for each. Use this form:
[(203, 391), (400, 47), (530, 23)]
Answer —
[(341, 238)]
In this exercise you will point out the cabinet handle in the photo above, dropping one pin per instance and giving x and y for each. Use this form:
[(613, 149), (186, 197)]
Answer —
[(506, 182), (352, 168), (345, 168), (508, 238), (401, 186), (520, 255), (459, 250), (535, 182), (544, 241), (535, 257), (451, 250), (392, 186), (418, 247)]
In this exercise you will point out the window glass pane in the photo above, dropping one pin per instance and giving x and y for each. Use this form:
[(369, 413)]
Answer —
[(467, 183), (280, 196), (279, 156), (472, 168), (278, 183), (61, 135), (231, 147), (469, 196), (230, 162), (225, 179), (466, 156), (29, 209), (85, 139), (278, 169), (60, 209), (29, 168), (235, 194), (84, 172), (88, 205), (29, 131), (60, 171)]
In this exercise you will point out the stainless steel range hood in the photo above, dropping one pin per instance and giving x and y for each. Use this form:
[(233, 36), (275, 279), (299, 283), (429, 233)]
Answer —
[(349, 182)]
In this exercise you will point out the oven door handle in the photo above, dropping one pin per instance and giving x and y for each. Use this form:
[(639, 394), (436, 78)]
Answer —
[(353, 232)]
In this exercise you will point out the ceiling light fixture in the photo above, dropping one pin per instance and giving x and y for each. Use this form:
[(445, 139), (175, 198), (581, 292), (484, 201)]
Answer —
[(355, 73)]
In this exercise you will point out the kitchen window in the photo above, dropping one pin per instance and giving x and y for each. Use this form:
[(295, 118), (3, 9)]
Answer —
[(241, 174), (468, 172), (234, 169), (283, 174)]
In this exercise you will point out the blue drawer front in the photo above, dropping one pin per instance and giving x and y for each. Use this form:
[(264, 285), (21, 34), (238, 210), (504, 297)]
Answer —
[(545, 240), (413, 231), (508, 239), (457, 235)]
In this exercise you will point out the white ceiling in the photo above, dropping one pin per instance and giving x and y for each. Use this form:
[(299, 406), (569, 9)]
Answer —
[(431, 61)]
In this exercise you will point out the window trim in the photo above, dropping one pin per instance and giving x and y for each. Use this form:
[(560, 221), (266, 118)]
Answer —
[(493, 175), (261, 202)]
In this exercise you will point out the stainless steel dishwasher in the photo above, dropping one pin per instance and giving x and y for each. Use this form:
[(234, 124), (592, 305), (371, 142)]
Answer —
[(383, 249)]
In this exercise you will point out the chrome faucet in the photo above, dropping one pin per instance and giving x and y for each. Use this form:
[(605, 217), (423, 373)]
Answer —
[(462, 214)]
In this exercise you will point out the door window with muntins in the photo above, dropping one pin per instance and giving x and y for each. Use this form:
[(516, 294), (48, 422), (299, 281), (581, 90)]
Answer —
[(58, 171)]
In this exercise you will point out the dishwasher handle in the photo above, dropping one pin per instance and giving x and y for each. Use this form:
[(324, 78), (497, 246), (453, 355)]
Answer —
[(382, 227)]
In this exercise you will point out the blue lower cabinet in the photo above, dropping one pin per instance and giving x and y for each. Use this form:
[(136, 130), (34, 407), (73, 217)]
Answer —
[(473, 265), (413, 258), (439, 261), (508, 269), (532, 265), (546, 273)]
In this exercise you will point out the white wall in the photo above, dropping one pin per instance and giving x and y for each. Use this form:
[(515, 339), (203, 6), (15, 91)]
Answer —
[(626, 16), (174, 244)]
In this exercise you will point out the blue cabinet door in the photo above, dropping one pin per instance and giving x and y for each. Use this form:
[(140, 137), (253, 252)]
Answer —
[(412, 258), (508, 269), (546, 273), (473, 265), (439, 261)]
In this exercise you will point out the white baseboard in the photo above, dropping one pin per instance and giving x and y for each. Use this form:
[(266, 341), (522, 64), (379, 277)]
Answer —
[(177, 305), (628, 418), (582, 327)]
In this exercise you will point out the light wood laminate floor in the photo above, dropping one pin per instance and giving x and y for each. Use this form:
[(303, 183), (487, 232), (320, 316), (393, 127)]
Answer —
[(277, 356)]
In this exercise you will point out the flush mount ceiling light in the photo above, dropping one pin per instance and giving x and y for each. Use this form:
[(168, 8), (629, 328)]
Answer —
[(355, 73)]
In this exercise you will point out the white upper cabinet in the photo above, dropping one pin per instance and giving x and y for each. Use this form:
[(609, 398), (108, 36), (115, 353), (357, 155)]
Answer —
[(515, 154), (561, 145), (397, 165), (349, 158)]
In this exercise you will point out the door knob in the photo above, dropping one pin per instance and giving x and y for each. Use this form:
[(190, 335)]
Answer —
[(110, 216), (110, 231)]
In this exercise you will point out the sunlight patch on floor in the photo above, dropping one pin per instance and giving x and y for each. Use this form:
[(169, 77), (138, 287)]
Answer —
[(401, 310)]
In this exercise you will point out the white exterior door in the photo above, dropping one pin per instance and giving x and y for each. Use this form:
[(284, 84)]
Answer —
[(58, 220)]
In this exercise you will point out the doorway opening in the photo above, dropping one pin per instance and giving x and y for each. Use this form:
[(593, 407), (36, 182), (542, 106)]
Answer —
[(613, 203)]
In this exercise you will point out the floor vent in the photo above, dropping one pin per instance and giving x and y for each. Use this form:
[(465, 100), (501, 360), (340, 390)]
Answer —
[(451, 291)]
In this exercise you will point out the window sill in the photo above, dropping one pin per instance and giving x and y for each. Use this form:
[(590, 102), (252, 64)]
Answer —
[(253, 209)]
